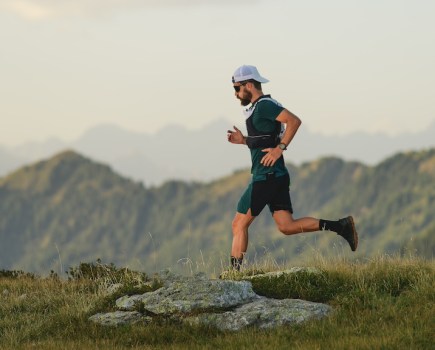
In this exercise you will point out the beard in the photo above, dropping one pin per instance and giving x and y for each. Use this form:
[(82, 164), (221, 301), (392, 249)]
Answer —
[(246, 99)]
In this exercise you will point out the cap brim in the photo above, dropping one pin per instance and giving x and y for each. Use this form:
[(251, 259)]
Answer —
[(262, 80), (259, 79)]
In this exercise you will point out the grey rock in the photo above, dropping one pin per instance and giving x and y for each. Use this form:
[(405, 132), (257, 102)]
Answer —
[(167, 277), (263, 313), (186, 295), (113, 288), (118, 318), (129, 302)]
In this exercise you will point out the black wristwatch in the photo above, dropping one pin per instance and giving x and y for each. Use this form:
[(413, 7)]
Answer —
[(282, 146)]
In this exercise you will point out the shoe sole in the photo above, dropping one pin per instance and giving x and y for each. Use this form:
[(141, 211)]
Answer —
[(355, 234)]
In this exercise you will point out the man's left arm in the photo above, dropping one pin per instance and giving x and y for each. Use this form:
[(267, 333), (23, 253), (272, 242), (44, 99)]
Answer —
[(292, 123)]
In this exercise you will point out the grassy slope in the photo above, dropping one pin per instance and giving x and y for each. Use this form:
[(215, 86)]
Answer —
[(69, 209), (382, 303)]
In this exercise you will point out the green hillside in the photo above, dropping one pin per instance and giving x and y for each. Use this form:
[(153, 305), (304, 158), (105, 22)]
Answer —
[(67, 209)]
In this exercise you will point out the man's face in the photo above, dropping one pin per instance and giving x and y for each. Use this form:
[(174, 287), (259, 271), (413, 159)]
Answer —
[(243, 94)]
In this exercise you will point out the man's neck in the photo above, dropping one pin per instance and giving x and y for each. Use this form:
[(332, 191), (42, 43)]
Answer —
[(256, 96)]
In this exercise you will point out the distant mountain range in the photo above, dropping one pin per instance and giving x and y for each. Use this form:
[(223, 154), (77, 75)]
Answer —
[(202, 155), (69, 209)]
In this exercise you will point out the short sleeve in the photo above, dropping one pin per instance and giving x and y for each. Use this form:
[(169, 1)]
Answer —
[(265, 115)]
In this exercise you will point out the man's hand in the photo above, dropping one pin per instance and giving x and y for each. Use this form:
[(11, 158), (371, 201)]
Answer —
[(271, 156), (235, 136)]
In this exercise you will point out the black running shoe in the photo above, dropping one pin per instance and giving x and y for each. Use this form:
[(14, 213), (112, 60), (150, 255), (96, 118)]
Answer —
[(348, 232)]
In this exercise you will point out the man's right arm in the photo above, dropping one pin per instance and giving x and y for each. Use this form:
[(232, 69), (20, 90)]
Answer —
[(236, 136)]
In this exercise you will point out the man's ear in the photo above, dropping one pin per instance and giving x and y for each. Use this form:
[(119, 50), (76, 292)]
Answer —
[(249, 86)]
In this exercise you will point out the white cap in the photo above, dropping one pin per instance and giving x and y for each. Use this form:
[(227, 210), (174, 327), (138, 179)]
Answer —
[(248, 72)]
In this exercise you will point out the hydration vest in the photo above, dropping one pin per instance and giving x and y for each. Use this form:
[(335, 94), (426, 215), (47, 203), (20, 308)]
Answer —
[(258, 139)]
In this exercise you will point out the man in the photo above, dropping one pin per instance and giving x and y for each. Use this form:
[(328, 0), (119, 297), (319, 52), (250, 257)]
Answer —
[(270, 128)]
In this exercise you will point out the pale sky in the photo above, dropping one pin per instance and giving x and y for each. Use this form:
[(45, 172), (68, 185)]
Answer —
[(340, 65)]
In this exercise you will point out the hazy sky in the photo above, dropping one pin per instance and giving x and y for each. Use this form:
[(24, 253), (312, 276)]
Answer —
[(340, 65)]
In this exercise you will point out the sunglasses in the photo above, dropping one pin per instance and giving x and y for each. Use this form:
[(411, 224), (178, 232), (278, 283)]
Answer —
[(237, 87)]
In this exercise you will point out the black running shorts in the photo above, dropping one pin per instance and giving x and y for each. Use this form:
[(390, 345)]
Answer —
[(273, 191)]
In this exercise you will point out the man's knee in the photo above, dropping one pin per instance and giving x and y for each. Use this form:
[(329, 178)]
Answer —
[(241, 222), (237, 225), (285, 223), (234, 225), (284, 229), (289, 228)]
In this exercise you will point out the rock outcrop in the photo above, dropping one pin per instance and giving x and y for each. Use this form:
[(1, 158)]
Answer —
[(224, 304), (187, 295)]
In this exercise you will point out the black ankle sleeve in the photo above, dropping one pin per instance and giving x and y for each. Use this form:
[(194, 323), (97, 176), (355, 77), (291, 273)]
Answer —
[(236, 263)]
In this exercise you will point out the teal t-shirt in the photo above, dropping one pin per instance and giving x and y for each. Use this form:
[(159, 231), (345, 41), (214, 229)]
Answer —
[(264, 118)]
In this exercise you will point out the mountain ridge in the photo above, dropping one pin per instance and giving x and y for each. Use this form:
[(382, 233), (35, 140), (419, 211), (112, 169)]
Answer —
[(176, 152), (69, 208)]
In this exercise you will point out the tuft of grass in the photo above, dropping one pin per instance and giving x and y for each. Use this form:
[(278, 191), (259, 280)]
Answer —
[(390, 276), (387, 302), (15, 274), (108, 273), (128, 282)]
